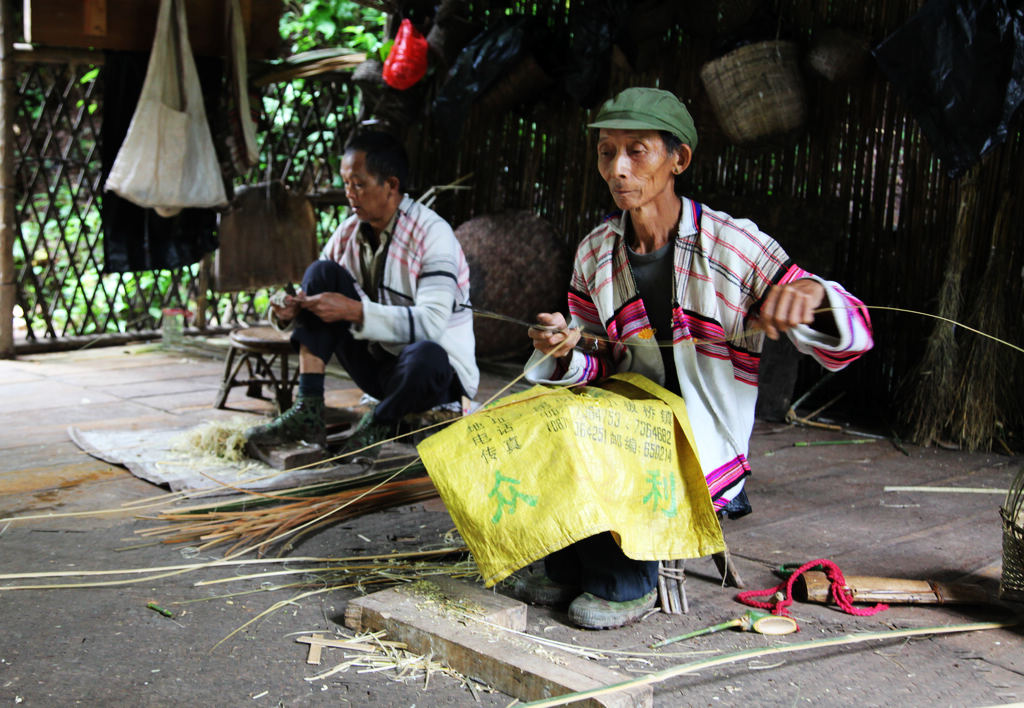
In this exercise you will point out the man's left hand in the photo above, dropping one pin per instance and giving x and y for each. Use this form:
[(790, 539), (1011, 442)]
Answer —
[(333, 307), (786, 306)]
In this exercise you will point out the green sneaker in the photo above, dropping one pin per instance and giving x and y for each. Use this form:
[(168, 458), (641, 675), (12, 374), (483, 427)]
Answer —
[(304, 421), (539, 589), (592, 612), (366, 440)]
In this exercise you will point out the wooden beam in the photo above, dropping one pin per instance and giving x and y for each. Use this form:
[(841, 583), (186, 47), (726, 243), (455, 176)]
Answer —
[(8, 277), (28, 54), (108, 339), (128, 25), (454, 623), (94, 17)]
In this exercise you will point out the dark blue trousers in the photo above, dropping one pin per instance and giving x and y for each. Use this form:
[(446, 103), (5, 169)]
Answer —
[(598, 566), (419, 378)]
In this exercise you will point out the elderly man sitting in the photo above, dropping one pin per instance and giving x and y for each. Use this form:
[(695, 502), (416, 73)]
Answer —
[(385, 298), (707, 288)]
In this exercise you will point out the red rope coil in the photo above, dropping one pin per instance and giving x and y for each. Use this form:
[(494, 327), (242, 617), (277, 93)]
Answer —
[(840, 594)]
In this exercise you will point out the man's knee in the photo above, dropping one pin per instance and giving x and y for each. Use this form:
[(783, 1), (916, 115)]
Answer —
[(426, 355), (327, 276)]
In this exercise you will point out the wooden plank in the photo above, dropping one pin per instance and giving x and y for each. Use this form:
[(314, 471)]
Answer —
[(297, 454), (128, 25), (315, 649), (442, 624), (287, 456)]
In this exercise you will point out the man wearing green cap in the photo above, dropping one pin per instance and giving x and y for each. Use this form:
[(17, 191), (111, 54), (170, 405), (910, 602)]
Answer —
[(707, 288)]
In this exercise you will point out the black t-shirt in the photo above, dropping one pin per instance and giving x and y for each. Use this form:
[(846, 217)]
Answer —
[(653, 275)]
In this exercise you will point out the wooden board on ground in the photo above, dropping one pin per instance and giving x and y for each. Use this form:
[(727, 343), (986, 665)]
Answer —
[(450, 619), (289, 456)]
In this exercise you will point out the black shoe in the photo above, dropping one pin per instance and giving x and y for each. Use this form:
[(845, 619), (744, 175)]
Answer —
[(366, 440), (539, 589), (303, 422)]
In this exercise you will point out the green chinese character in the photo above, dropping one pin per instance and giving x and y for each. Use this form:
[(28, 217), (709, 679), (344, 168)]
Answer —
[(510, 498), (663, 492)]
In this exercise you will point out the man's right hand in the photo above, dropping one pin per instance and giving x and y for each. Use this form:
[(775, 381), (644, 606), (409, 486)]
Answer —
[(554, 338), (286, 307)]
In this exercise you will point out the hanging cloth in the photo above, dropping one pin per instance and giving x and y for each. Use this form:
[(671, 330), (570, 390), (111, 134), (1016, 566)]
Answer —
[(241, 139), (167, 160), (136, 238)]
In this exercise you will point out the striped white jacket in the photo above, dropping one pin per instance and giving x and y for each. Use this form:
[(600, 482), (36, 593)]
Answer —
[(722, 270), (422, 292)]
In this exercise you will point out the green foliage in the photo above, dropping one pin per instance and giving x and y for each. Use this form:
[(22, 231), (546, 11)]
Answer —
[(57, 250), (315, 24)]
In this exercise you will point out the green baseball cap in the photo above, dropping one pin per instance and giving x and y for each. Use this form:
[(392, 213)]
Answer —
[(647, 109)]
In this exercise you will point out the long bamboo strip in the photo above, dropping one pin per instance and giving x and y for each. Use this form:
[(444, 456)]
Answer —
[(666, 674), (273, 608), (420, 567), (158, 576), (232, 563)]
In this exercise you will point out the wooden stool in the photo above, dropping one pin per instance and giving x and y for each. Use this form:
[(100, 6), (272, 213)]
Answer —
[(260, 350)]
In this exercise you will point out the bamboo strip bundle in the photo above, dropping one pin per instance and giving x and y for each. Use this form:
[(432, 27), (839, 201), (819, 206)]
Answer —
[(257, 526), (672, 587)]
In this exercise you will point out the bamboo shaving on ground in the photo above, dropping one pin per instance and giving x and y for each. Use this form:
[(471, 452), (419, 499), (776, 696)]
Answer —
[(370, 653), (222, 440)]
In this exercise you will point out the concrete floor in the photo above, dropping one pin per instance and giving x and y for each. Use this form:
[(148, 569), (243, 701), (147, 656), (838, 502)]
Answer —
[(102, 645)]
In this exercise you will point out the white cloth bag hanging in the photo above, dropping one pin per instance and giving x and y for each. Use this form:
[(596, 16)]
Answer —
[(167, 160)]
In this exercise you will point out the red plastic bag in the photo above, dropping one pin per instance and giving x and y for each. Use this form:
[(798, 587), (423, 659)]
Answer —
[(407, 61)]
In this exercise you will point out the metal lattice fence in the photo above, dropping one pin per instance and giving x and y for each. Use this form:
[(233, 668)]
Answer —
[(62, 290)]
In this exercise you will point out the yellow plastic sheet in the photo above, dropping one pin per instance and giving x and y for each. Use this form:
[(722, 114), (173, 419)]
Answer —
[(539, 470)]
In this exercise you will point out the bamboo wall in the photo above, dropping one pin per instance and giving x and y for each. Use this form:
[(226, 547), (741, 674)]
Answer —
[(858, 196), (861, 179)]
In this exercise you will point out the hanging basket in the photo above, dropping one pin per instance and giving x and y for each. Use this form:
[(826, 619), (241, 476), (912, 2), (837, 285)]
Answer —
[(1011, 583), (756, 91)]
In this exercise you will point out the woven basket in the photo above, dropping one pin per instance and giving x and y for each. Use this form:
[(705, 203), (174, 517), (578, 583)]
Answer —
[(1011, 583), (518, 266), (757, 91)]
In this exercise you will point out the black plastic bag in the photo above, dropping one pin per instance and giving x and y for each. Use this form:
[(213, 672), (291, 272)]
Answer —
[(478, 66), (959, 64), (584, 74)]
